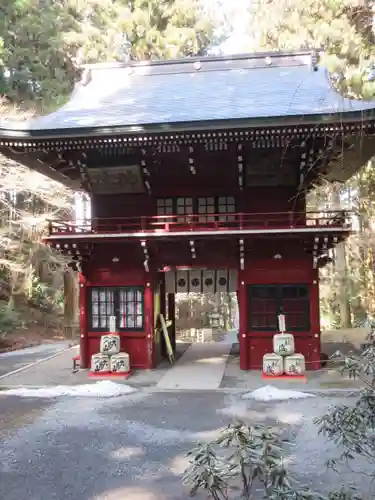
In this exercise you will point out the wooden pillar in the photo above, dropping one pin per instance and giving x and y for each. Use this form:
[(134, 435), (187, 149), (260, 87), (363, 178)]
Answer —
[(242, 308), (172, 317), (315, 323), (83, 323), (70, 303)]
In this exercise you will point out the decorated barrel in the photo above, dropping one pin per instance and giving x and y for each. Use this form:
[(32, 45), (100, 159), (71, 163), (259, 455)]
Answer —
[(283, 344), (294, 364), (100, 363), (273, 364), (110, 344), (120, 363)]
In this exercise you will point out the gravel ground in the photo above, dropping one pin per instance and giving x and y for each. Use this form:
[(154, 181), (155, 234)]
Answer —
[(16, 413), (134, 446)]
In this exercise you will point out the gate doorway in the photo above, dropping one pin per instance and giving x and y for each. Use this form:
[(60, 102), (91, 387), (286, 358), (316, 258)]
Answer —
[(205, 301), (206, 322)]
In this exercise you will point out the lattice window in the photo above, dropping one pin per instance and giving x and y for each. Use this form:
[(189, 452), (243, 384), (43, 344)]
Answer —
[(102, 307), (125, 303), (185, 206), (206, 205), (131, 309), (226, 205), (266, 302), (164, 206)]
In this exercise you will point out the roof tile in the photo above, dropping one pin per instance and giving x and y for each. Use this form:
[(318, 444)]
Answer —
[(167, 94)]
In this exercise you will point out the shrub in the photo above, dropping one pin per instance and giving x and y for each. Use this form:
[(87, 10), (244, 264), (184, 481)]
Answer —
[(352, 426), (252, 459), (9, 318)]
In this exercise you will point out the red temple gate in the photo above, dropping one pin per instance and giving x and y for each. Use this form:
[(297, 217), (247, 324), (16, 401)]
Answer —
[(204, 165)]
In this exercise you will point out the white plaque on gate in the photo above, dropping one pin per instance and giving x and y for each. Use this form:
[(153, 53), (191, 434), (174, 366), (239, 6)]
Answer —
[(281, 321), (112, 324)]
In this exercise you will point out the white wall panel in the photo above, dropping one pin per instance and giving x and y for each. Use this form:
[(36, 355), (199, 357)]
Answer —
[(170, 282), (233, 280)]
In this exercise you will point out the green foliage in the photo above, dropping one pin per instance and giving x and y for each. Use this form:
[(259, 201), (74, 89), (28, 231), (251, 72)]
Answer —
[(42, 44), (10, 319), (59, 297), (359, 278), (353, 426), (37, 293), (342, 28), (249, 457), (345, 494)]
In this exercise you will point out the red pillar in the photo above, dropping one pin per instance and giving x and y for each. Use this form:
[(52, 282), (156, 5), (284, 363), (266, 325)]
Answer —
[(242, 307), (315, 323), (84, 341), (172, 317)]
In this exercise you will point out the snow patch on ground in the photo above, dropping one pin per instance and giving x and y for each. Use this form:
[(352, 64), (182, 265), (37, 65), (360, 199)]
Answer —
[(270, 393), (101, 389)]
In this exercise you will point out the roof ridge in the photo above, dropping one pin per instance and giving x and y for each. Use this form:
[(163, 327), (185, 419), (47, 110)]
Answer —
[(313, 54)]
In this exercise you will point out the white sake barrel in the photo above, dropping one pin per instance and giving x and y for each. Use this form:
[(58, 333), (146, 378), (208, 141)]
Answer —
[(283, 344), (273, 364), (295, 364), (110, 344), (99, 363), (120, 363)]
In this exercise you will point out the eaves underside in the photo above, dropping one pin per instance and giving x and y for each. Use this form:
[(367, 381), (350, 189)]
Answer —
[(14, 134)]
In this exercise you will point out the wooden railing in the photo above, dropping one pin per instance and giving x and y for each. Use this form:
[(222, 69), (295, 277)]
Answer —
[(210, 222)]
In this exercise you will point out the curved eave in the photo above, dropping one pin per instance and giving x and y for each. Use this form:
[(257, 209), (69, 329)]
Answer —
[(17, 134)]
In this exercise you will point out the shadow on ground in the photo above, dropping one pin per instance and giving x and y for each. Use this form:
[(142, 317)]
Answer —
[(135, 446)]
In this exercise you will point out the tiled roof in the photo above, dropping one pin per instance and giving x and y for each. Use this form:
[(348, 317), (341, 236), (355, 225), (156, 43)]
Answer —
[(210, 90)]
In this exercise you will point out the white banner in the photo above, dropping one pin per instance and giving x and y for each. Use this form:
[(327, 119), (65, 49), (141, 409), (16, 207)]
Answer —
[(195, 281), (201, 281), (208, 281), (222, 281), (182, 282)]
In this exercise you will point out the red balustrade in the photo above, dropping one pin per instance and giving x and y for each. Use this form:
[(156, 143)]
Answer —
[(208, 222)]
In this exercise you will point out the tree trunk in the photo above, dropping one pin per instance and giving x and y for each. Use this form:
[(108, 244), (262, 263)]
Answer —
[(341, 268)]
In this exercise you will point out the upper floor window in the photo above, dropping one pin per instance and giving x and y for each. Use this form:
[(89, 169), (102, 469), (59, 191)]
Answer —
[(226, 205), (125, 303), (184, 206), (206, 205), (165, 206), (266, 302), (208, 208)]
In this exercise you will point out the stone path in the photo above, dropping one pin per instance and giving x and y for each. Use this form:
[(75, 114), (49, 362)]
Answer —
[(201, 367)]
